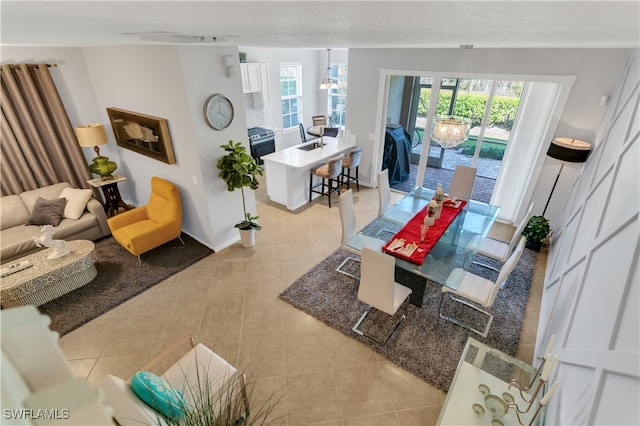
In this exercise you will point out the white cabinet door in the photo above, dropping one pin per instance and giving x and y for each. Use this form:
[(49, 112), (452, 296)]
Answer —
[(262, 99), (250, 77)]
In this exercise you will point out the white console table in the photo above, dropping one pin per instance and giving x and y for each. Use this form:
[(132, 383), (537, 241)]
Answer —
[(483, 365)]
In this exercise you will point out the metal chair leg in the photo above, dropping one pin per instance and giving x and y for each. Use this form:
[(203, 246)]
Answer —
[(463, 325), (339, 268), (363, 334), (485, 265)]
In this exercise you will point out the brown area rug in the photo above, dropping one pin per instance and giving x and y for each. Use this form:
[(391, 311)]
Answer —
[(120, 278), (425, 344)]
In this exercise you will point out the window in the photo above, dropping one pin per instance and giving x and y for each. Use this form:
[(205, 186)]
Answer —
[(291, 94), (338, 97)]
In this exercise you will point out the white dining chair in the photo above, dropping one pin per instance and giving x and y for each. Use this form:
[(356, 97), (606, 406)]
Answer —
[(379, 290), (348, 222), (499, 250), (384, 192), (462, 182), (479, 290)]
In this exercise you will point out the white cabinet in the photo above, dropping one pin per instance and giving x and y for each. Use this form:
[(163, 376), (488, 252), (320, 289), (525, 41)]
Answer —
[(251, 81), (255, 80)]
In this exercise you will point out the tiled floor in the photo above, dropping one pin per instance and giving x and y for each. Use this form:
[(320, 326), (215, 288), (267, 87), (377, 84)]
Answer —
[(228, 301)]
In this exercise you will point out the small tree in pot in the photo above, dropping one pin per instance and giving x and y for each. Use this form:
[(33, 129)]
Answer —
[(239, 170), (537, 232)]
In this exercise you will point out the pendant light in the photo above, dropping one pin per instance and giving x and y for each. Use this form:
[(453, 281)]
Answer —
[(448, 130), (327, 82)]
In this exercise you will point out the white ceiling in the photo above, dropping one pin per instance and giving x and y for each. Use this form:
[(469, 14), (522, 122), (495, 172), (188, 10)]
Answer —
[(336, 24)]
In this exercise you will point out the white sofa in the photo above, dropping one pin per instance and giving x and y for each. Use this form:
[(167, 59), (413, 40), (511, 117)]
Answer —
[(16, 237)]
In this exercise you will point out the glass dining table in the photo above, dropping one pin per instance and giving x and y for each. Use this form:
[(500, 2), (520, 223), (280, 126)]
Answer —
[(455, 249)]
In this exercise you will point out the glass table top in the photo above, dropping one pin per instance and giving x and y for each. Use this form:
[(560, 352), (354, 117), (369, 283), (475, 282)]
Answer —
[(455, 249)]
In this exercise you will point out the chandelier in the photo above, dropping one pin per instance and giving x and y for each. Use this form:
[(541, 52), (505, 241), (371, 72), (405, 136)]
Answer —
[(328, 82), (449, 131)]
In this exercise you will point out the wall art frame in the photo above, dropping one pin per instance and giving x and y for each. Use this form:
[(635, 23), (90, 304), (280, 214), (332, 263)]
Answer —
[(142, 133)]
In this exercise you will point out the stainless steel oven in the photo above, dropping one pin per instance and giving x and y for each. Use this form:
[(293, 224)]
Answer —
[(262, 142)]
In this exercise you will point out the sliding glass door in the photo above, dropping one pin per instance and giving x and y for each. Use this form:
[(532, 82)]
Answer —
[(490, 105)]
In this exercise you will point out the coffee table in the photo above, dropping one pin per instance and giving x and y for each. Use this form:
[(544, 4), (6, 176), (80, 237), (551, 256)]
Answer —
[(49, 279)]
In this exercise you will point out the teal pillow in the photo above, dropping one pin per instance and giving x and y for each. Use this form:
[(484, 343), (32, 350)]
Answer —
[(159, 394)]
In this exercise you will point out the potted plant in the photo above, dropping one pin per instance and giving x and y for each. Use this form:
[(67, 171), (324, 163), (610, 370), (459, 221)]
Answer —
[(239, 170), (243, 57), (537, 232)]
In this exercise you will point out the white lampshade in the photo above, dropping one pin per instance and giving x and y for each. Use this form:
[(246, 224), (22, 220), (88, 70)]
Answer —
[(449, 131), (92, 134)]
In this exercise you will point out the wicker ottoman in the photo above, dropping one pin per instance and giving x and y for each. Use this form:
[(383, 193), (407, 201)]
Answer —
[(49, 279)]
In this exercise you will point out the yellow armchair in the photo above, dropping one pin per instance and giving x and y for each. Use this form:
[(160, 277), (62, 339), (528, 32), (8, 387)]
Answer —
[(147, 227)]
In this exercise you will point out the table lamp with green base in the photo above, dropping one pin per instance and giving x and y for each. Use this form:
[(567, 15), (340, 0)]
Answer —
[(93, 134)]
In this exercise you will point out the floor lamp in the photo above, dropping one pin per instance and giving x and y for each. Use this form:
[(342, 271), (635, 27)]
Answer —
[(566, 150)]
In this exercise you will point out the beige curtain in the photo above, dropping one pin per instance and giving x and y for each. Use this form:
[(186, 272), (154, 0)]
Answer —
[(39, 145)]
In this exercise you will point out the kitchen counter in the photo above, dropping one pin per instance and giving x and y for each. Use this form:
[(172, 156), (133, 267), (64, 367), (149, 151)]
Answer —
[(288, 171)]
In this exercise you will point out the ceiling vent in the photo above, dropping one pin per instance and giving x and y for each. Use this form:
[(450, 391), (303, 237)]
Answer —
[(170, 37)]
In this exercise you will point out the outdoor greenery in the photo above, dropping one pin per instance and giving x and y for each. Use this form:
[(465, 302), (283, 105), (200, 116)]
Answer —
[(239, 170), (472, 106), (491, 148)]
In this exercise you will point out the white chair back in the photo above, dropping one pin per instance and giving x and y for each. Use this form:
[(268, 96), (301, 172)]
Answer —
[(520, 227), (384, 192), (506, 270), (347, 216), (377, 280), (462, 182)]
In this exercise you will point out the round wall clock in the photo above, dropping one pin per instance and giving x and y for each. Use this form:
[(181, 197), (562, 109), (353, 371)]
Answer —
[(218, 111)]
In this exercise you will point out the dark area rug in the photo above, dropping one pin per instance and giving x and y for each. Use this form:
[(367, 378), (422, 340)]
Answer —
[(120, 278), (425, 344)]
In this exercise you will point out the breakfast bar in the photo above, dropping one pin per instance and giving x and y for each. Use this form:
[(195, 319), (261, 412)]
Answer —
[(287, 171)]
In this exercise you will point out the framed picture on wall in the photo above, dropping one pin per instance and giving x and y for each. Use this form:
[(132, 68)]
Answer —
[(142, 133)]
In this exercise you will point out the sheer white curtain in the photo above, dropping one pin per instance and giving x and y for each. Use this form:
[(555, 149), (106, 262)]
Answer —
[(526, 149)]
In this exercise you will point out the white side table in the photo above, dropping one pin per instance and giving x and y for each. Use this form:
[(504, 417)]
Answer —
[(112, 200), (481, 364)]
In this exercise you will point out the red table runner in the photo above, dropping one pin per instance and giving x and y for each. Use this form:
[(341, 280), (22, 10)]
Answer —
[(408, 238)]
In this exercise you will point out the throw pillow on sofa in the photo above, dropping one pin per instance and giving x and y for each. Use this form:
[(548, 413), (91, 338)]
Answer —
[(77, 200), (47, 212)]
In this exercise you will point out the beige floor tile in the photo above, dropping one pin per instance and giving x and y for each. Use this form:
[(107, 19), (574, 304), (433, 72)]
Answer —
[(264, 318), (220, 326), (312, 398), (87, 341), (263, 353), (362, 391), (407, 390), (384, 419), (306, 352), (81, 368), (297, 321), (419, 416), (348, 352)]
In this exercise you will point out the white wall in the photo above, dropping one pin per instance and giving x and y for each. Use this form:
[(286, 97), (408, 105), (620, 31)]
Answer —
[(596, 70), (591, 299)]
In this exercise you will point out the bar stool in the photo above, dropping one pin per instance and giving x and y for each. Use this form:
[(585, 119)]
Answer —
[(351, 161), (330, 170)]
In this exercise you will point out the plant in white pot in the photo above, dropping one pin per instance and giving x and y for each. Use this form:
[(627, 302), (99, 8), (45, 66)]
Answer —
[(239, 170)]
